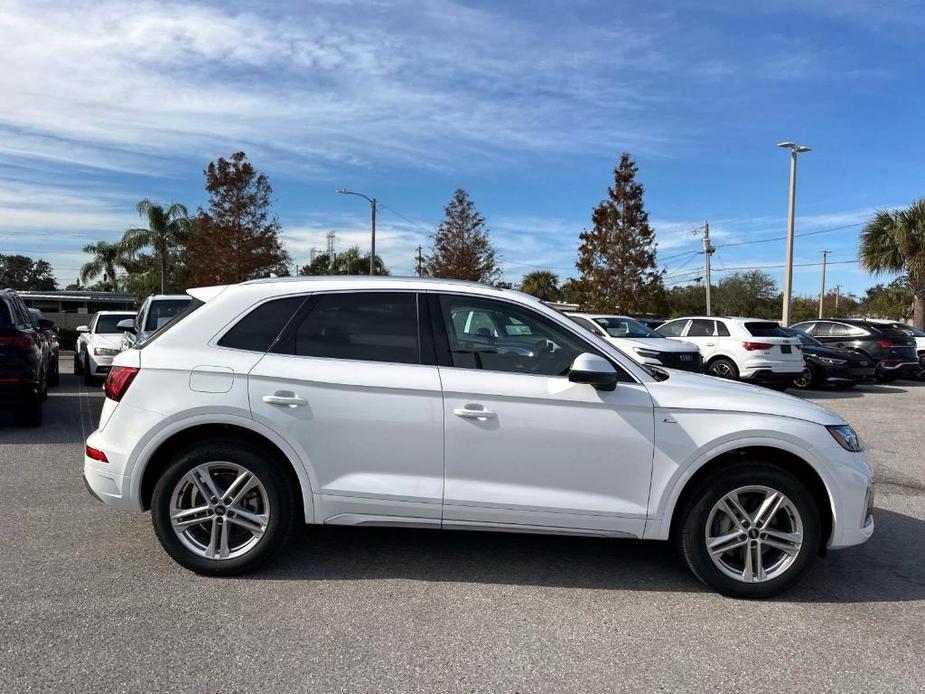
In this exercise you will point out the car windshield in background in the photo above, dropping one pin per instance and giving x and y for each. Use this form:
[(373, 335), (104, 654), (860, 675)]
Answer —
[(107, 324), (625, 327), (765, 329), (908, 330), (186, 308), (162, 312)]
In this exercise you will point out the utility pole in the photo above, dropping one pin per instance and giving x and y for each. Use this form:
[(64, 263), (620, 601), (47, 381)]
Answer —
[(837, 292), (708, 251), (420, 262), (825, 257), (791, 211)]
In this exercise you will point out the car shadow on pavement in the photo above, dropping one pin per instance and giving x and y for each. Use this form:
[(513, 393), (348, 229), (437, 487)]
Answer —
[(883, 570)]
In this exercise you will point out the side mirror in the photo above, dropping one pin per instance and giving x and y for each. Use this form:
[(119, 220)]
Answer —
[(127, 324), (46, 324), (83, 328), (593, 370)]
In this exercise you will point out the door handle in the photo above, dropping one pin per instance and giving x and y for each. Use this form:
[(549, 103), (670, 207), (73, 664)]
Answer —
[(474, 412), (711, 344), (287, 398)]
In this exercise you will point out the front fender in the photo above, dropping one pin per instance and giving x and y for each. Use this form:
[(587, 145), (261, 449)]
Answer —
[(678, 457)]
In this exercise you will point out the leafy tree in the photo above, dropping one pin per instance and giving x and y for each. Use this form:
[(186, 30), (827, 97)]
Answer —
[(543, 284), (571, 291), (462, 247), (895, 242), (21, 272), (238, 238), (167, 231), (685, 300), (106, 258), (616, 257), (753, 293), (350, 262), (892, 301)]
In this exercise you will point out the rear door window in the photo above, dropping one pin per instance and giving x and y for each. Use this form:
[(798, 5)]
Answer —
[(365, 326), (258, 330), (721, 329)]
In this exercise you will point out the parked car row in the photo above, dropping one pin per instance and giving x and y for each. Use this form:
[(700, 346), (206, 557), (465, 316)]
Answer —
[(28, 359), (438, 404)]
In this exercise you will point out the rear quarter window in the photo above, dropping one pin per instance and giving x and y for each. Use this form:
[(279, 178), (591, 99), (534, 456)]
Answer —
[(5, 320), (258, 330), (765, 329)]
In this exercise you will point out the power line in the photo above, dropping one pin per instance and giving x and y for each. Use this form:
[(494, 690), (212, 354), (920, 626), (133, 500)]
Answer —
[(407, 219), (784, 238)]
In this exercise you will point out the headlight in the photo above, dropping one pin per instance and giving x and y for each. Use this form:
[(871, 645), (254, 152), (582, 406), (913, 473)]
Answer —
[(832, 362), (104, 352), (846, 437), (647, 353)]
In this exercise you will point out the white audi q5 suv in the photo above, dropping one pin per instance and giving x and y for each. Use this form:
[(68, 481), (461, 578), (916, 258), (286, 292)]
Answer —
[(442, 404)]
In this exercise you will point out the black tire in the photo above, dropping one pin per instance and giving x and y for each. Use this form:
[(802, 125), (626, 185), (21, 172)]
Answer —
[(696, 512), (280, 496), (802, 382), (54, 378), (89, 378), (723, 368), (30, 413)]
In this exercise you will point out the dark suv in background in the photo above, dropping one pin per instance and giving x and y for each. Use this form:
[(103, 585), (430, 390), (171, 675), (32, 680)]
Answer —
[(893, 351), (24, 360)]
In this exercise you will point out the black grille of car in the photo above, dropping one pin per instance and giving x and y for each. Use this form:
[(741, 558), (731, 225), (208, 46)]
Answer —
[(686, 361)]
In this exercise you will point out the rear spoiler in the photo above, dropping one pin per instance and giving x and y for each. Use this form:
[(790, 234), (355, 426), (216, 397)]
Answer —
[(205, 294)]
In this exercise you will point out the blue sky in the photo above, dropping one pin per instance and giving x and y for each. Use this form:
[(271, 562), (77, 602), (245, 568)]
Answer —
[(527, 105)]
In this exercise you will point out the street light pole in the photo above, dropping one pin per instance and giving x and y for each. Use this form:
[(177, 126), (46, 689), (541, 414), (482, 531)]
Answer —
[(788, 273), (372, 240)]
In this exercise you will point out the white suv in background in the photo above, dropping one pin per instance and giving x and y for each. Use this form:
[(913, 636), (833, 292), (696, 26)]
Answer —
[(641, 342), (155, 312), (97, 344), (746, 349), (439, 404)]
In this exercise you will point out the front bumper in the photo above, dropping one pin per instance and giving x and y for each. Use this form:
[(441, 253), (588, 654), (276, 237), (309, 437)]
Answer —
[(847, 373), (100, 364), (852, 489)]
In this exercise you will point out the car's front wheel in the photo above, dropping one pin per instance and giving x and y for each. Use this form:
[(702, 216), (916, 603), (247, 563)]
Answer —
[(805, 380), (222, 508), (723, 368), (750, 530)]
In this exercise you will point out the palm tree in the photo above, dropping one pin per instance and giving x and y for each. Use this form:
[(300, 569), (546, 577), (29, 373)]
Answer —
[(895, 242), (543, 284), (166, 230), (106, 257)]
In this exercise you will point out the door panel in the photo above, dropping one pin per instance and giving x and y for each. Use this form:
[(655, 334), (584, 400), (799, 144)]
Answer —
[(345, 384), (525, 446), (552, 453)]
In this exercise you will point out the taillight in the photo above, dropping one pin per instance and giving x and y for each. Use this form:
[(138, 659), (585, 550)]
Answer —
[(17, 341), (884, 344), (96, 454), (118, 380), (754, 346)]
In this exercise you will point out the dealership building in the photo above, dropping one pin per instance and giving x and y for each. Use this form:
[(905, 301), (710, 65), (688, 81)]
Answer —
[(70, 308)]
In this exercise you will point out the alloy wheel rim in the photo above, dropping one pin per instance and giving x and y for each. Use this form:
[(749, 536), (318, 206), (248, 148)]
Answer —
[(722, 370), (754, 534), (219, 510), (804, 379)]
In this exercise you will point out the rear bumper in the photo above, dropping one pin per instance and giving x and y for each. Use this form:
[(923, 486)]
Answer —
[(900, 369), (771, 377)]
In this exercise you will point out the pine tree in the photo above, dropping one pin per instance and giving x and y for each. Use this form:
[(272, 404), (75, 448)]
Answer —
[(616, 257), (462, 246), (238, 238)]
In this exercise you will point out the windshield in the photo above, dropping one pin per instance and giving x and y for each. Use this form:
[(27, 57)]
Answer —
[(163, 311), (620, 326), (186, 308), (107, 324)]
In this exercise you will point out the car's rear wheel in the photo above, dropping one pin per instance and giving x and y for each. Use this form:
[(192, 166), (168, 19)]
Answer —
[(29, 414), (805, 380), (723, 368), (54, 378), (222, 508), (750, 531)]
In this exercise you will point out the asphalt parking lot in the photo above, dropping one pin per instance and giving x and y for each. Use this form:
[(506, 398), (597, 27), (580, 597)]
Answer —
[(89, 602)]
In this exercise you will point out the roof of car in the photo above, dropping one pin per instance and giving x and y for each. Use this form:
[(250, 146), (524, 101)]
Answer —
[(735, 318), (168, 297)]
